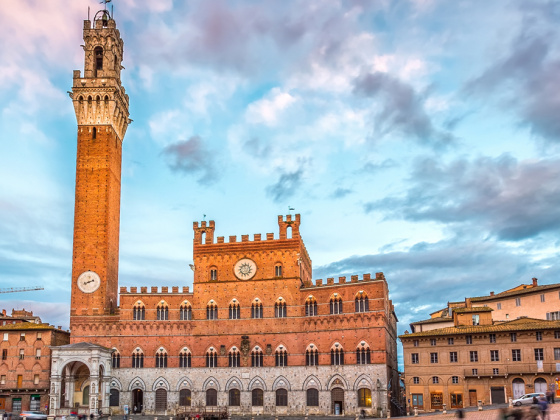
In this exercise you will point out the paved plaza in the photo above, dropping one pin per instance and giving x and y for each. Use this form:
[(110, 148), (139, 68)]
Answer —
[(488, 413)]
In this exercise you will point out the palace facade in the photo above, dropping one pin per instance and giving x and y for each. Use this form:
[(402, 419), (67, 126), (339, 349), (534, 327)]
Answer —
[(255, 334)]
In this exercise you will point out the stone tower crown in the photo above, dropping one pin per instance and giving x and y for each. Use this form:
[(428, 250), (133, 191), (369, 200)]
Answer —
[(98, 96)]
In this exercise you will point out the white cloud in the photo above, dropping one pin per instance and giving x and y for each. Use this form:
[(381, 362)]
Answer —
[(267, 111)]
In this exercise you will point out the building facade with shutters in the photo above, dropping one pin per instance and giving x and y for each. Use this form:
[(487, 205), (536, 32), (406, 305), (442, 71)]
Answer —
[(469, 356), (255, 334)]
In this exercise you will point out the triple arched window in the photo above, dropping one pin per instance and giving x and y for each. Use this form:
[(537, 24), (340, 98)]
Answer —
[(211, 310), (337, 355), (162, 311), (311, 356), (234, 310), (234, 358), (139, 312), (137, 359), (363, 355), (257, 357), (185, 358), (211, 358), (280, 308), (115, 359), (256, 309), (281, 356), (362, 302), (311, 306), (336, 304), (185, 313), (161, 358)]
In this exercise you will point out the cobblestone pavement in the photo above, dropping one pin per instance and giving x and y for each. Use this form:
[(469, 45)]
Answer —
[(488, 413)]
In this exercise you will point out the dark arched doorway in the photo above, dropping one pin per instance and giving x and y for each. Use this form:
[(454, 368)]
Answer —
[(137, 400), (337, 401), (161, 399)]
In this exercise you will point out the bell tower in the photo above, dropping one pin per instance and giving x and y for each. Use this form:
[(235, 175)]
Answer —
[(101, 107)]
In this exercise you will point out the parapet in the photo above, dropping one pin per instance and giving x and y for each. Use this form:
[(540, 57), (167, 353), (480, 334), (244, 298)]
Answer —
[(343, 280), (175, 290)]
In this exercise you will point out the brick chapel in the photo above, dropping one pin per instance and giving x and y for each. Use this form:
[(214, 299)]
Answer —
[(255, 335)]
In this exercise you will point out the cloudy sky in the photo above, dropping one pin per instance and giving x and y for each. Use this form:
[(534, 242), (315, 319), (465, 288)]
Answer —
[(415, 137)]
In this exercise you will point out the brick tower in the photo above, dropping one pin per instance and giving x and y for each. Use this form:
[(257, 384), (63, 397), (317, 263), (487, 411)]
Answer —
[(101, 107)]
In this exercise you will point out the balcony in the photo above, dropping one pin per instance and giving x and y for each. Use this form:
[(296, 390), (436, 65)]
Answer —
[(513, 368)]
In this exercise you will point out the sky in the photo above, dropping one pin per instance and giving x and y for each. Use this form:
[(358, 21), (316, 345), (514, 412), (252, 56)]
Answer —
[(420, 138)]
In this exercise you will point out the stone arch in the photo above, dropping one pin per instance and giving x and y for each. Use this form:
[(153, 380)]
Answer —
[(312, 382), (115, 383), (281, 347), (234, 383), (184, 383), (257, 383), (137, 383), (281, 382), (211, 383), (363, 381), (337, 381), (161, 382)]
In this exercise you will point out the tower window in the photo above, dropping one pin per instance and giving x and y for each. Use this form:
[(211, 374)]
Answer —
[(212, 311), (256, 310), (213, 274), (98, 54), (94, 134), (278, 270), (234, 311), (280, 309)]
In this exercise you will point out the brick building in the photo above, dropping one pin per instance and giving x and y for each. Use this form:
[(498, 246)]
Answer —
[(465, 353), (255, 334), (25, 363)]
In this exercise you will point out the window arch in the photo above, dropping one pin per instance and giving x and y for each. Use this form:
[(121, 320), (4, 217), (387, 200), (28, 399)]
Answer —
[(185, 397), (337, 355), (115, 359), (185, 312), (162, 311), (312, 399), (311, 355), (281, 356), (139, 311), (161, 358), (257, 357), (211, 357), (211, 398), (138, 358), (211, 310), (362, 302), (213, 274), (185, 358), (277, 270), (363, 354), (234, 397), (234, 358), (256, 309), (336, 304), (281, 397), (98, 57), (280, 310), (310, 306), (234, 310), (257, 397)]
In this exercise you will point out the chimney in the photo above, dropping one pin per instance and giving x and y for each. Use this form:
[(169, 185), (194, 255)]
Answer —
[(535, 284), (491, 293)]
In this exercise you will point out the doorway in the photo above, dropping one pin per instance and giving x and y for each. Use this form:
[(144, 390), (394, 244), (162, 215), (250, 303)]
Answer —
[(540, 385), (518, 386), (436, 400), (497, 394), (472, 397), (137, 400), (456, 400), (337, 401), (161, 399)]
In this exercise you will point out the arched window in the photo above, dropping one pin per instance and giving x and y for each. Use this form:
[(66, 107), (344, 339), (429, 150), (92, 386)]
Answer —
[(161, 358), (234, 398), (310, 306), (363, 356), (94, 133), (213, 274), (312, 397), (311, 355), (114, 398), (256, 309), (162, 312), (257, 357), (364, 397), (257, 397), (281, 356), (137, 359), (211, 398), (211, 310), (139, 312), (185, 358), (362, 302), (98, 57), (234, 358), (185, 398), (211, 358), (185, 313), (234, 310), (278, 270), (280, 308), (435, 380), (336, 304), (115, 359), (281, 397), (337, 355)]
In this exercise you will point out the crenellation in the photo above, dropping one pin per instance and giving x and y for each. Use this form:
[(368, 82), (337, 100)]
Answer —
[(220, 239), (123, 290), (257, 237), (154, 289), (270, 236), (342, 280), (164, 289), (244, 238), (232, 239), (367, 277), (330, 280), (175, 289), (143, 289)]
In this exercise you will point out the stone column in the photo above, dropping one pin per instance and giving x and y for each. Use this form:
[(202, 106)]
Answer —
[(54, 395), (70, 388)]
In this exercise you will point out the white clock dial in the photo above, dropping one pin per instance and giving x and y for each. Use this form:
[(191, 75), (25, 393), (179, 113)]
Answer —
[(245, 269), (89, 281)]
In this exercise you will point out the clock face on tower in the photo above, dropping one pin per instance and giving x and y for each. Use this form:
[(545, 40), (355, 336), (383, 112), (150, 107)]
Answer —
[(245, 269), (89, 281)]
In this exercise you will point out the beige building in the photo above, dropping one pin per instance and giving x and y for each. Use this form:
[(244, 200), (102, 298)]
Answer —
[(465, 353)]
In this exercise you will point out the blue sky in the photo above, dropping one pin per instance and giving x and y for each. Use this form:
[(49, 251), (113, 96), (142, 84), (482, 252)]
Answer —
[(418, 138)]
